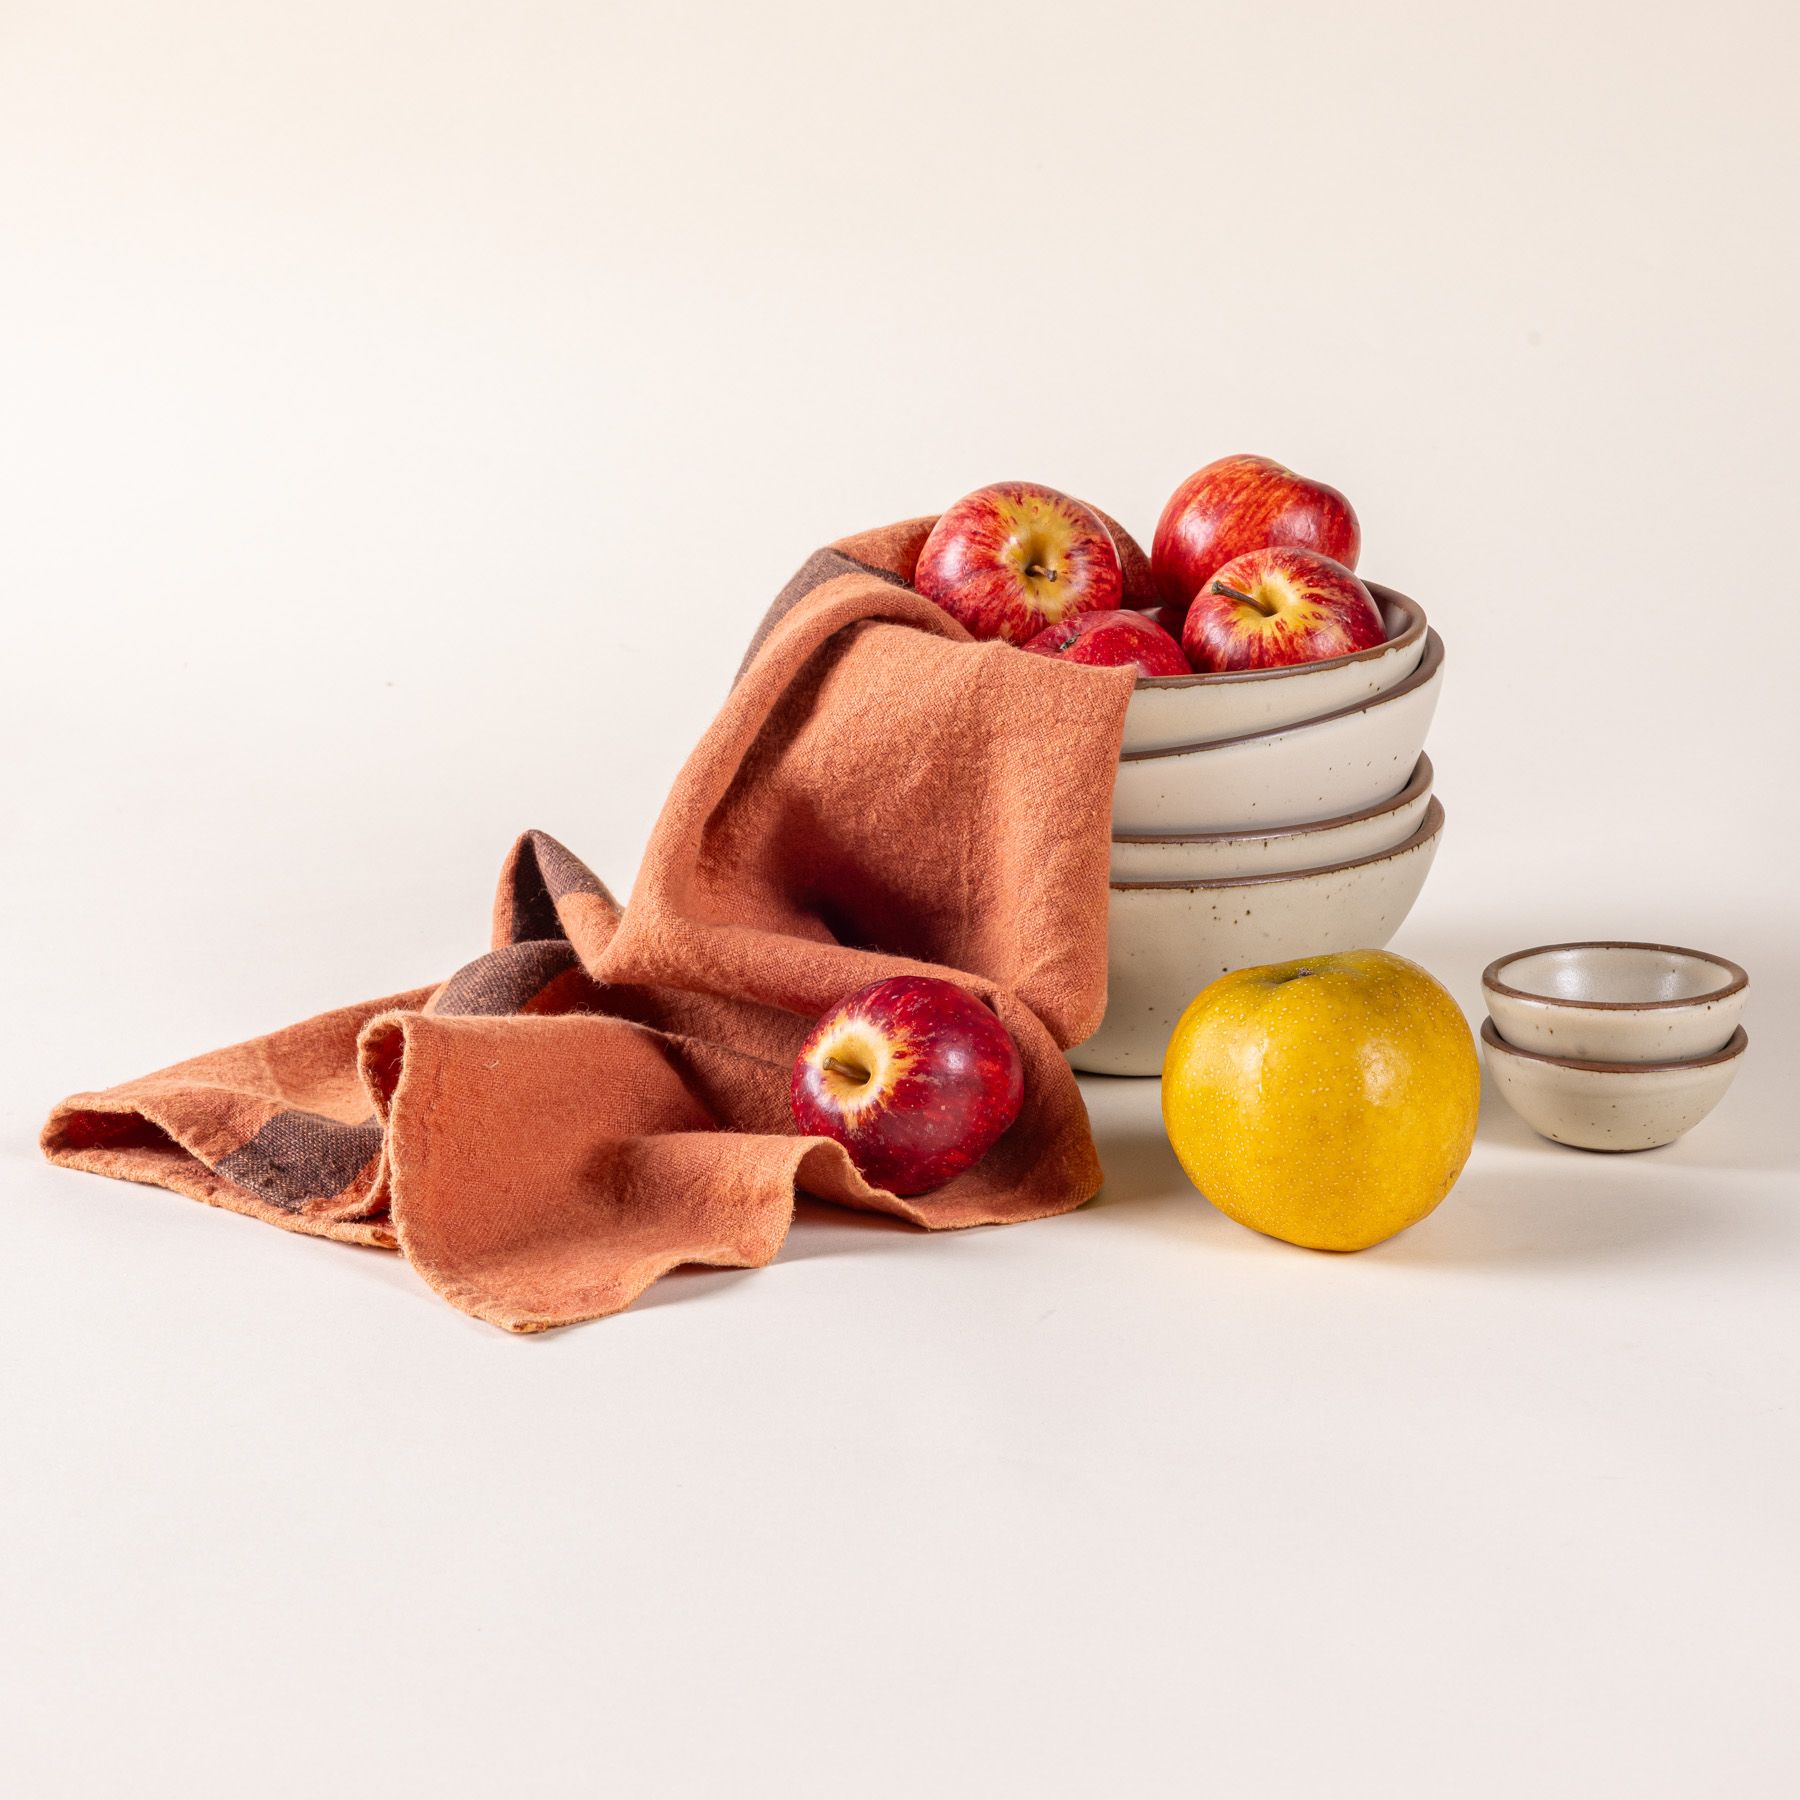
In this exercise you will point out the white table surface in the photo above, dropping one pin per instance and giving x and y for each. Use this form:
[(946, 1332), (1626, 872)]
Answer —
[(408, 411), (1104, 1503)]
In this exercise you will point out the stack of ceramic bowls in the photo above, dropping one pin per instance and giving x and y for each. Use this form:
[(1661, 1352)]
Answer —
[(1263, 815), (1613, 1046)]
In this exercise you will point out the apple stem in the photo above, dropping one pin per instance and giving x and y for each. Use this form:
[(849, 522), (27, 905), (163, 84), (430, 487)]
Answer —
[(849, 1071), (1231, 593), (1038, 572)]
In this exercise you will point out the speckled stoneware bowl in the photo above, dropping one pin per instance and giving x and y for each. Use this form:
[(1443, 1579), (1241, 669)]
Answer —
[(1171, 710), (1166, 940), (1320, 769), (1616, 1002), (1609, 1105), (1226, 855)]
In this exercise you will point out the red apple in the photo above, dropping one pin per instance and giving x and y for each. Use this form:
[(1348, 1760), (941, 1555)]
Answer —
[(1010, 559), (1134, 566), (1245, 503), (913, 1076), (1170, 618), (1270, 608), (1113, 639)]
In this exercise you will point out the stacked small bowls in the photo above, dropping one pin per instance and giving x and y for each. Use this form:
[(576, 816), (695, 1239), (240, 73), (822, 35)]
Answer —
[(1611, 1045), (1262, 815)]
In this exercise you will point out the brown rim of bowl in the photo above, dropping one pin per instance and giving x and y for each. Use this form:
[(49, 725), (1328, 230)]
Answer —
[(1735, 1046), (1410, 632), (1430, 664), (1490, 977), (1422, 777), (1429, 827)]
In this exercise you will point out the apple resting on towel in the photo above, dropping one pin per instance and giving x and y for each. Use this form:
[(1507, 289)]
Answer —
[(1113, 639), (1010, 559), (1276, 607), (913, 1076)]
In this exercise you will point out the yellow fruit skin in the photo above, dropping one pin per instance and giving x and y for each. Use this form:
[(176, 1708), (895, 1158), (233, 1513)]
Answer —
[(1330, 1101)]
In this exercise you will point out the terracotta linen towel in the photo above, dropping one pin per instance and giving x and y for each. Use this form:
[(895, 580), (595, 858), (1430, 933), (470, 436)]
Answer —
[(603, 1094)]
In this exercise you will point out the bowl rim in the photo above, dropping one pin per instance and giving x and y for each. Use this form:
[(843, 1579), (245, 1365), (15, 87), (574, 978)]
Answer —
[(1419, 782), (1429, 827), (1737, 979), (1409, 633), (1735, 1046), (1431, 665)]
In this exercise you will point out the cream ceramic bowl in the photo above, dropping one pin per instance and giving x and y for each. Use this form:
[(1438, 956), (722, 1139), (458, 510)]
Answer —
[(1170, 710), (1613, 1002), (1167, 940), (1319, 769), (1609, 1105), (1227, 855)]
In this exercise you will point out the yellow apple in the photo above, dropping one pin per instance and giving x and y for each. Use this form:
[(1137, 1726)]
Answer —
[(1330, 1102)]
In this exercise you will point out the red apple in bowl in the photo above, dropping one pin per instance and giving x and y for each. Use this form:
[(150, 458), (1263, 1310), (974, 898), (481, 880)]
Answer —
[(913, 1076), (1244, 503), (1270, 608), (1113, 639), (1170, 618), (1138, 578), (1010, 559)]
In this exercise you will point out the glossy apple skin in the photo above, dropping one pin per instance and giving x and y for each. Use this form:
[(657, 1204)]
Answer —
[(943, 1081), (1244, 503), (1134, 566), (1112, 640), (1008, 560), (1298, 608)]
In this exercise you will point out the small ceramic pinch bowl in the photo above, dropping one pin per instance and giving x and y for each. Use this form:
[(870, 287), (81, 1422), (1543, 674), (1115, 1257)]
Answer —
[(1166, 940), (1228, 855), (1615, 1002), (1169, 710), (1609, 1105), (1318, 769)]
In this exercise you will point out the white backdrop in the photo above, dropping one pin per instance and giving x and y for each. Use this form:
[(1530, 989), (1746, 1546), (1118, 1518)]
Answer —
[(406, 411)]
